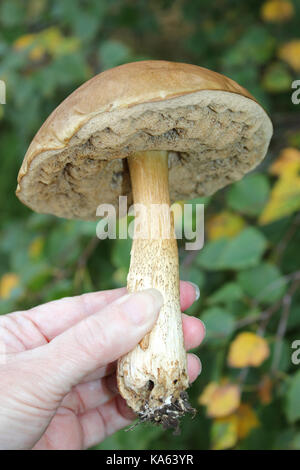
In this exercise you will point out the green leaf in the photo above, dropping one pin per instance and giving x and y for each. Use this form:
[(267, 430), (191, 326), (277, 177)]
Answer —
[(63, 244), (243, 251), (121, 253), (112, 53), (255, 46), (294, 139), (292, 399), (295, 444), (87, 228), (249, 195), (264, 283), (11, 12), (63, 288), (193, 274), (86, 25), (294, 317), (283, 440), (68, 69), (277, 78), (230, 292), (7, 306), (284, 361), (36, 276), (218, 322)]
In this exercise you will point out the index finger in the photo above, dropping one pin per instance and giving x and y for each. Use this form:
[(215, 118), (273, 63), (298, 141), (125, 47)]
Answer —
[(53, 318)]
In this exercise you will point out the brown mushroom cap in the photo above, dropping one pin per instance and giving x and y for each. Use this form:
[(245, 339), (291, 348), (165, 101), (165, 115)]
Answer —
[(213, 128)]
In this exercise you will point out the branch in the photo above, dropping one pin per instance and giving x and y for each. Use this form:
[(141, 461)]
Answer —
[(282, 325), (286, 238)]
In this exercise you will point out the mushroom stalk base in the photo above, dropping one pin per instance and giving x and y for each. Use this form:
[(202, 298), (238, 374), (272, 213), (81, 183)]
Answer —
[(153, 376)]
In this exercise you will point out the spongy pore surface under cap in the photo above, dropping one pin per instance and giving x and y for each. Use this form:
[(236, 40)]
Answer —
[(213, 136)]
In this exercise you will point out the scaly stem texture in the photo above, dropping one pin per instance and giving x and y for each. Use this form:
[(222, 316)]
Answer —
[(153, 377)]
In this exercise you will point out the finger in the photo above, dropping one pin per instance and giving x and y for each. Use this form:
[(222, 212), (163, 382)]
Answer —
[(45, 322), (100, 422), (193, 331), (63, 433), (53, 318), (194, 367), (95, 341), (100, 372), (189, 293), (67, 431), (86, 396)]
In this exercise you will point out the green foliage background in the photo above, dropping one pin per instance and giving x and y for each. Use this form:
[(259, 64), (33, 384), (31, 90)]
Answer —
[(246, 280)]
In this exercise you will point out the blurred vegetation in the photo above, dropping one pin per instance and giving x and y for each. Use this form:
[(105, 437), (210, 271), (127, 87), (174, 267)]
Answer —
[(249, 270)]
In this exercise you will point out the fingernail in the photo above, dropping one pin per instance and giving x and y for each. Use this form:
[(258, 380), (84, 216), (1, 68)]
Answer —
[(204, 327), (194, 371), (197, 290), (141, 307), (199, 362)]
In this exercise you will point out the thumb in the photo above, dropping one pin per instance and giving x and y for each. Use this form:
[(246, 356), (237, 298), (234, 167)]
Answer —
[(102, 338)]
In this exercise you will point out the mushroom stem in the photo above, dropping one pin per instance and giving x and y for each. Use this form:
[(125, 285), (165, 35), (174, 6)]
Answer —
[(153, 376)]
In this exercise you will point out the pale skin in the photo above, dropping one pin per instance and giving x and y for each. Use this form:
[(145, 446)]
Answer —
[(57, 368)]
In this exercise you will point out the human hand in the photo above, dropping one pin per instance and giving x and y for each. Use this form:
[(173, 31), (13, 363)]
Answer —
[(57, 377)]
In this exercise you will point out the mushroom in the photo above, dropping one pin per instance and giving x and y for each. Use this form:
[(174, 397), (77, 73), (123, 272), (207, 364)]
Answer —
[(160, 132)]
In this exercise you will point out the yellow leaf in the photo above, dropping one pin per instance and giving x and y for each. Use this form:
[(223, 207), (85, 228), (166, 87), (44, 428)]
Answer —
[(284, 200), (49, 41), (30, 41), (227, 431), (37, 53), (290, 53), (220, 400), (225, 224), (277, 11), (288, 162), (285, 195), (248, 349), (7, 283), (246, 420), (224, 433), (207, 393), (265, 390), (24, 41), (56, 44), (36, 247), (224, 400)]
